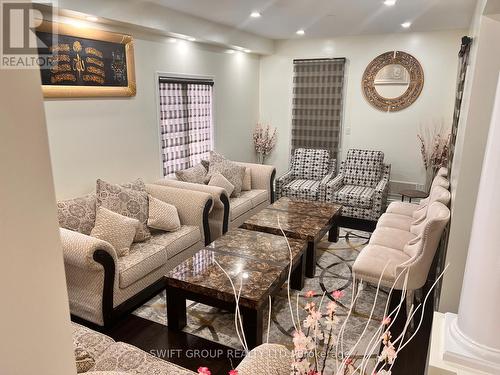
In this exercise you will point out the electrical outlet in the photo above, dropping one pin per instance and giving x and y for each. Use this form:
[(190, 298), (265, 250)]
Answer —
[(348, 131)]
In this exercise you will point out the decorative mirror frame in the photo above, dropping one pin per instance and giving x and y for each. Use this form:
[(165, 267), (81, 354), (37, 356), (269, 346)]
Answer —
[(409, 97)]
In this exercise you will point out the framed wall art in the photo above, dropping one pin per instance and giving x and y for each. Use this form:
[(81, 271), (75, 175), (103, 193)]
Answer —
[(86, 62)]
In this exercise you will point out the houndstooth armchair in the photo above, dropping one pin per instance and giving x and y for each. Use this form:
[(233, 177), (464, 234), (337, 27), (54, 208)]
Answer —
[(362, 185), (311, 170)]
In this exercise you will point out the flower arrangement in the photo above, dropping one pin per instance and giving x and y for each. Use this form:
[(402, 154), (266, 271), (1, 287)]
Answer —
[(264, 141), (314, 341), (434, 142)]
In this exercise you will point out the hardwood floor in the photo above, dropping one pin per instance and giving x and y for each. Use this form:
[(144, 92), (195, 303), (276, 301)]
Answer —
[(191, 351)]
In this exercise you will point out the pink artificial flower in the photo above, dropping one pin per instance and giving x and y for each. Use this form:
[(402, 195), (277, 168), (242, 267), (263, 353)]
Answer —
[(386, 321), (338, 294), (310, 306), (312, 372), (233, 372), (204, 371), (309, 294), (348, 361)]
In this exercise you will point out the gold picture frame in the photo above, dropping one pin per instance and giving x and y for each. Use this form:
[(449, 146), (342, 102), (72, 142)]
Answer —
[(81, 91)]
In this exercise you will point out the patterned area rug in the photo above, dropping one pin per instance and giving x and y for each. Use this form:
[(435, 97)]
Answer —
[(333, 272)]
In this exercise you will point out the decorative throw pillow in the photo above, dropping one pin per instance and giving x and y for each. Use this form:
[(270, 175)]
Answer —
[(230, 170), (84, 361), (127, 202), (138, 185), (247, 180), (116, 229), (194, 174), (206, 164), (163, 216), (77, 214), (221, 181)]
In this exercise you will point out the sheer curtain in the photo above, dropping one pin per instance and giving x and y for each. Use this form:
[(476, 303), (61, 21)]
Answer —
[(317, 109), (186, 124)]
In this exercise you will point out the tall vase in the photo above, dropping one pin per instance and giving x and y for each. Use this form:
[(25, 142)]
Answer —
[(430, 173), (261, 157)]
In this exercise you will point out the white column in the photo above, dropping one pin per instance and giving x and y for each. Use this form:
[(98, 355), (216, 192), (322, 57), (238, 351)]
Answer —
[(473, 337)]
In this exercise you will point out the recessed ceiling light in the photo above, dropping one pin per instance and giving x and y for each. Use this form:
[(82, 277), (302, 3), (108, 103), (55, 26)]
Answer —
[(191, 39), (247, 51), (230, 51), (390, 3), (300, 32), (255, 15), (172, 40), (91, 18), (406, 25)]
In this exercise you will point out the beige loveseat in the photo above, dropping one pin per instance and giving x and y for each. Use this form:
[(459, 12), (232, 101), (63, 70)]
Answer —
[(227, 212), (101, 285), (118, 358)]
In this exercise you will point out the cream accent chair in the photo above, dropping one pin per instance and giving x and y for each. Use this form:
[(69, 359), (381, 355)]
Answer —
[(102, 286), (402, 253), (403, 222), (408, 209), (229, 213), (114, 358)]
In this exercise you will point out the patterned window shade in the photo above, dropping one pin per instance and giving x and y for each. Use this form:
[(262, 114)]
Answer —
[(185, 123), (318, 89)]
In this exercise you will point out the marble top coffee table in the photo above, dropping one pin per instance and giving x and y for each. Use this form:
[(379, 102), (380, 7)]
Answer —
[(257, 261), (299, 219)]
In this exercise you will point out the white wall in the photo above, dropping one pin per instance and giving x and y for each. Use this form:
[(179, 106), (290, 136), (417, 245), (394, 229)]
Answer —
[(474, 126), (34, 317), (393, 133), (117, 138)]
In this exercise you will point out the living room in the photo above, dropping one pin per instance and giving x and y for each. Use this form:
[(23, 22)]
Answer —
[(234, 185)]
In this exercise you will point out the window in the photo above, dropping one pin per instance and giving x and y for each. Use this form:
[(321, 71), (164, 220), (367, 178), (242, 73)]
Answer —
[(317, 110), (186, 127)]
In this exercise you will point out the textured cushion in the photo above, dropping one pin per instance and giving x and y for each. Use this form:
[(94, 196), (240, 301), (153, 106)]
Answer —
[(206, 164), (356, 196), (363, 167), (372, 260), (84, 361), (178, 241), (391, 237), (310, 164), (93, 342), (230, 170), (144, 258), (257, 196), (194, 174), (221, 181), (116, 229), (396, 221), (247, 180), (129, 359), (303, 189), (129, 202), (239, 206), (77, 214), (163, 216)]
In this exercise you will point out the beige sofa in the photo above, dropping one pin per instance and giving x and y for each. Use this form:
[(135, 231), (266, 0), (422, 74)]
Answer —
[(102, 286), (229, 213), (118, 358)]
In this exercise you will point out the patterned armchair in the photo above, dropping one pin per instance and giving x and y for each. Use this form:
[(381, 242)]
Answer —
[(362, 185), (311, 170)]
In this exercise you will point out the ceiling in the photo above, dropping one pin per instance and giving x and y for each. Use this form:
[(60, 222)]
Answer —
[(329, 18)]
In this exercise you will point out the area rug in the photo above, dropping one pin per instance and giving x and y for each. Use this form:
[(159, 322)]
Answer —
[(333, 272)]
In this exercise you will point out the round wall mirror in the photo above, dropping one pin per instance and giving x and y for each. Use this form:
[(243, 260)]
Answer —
[(393, 81)]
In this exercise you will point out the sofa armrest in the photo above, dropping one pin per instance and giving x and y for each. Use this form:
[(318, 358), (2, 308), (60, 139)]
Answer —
[(282, 181), (266, 359), (193, 206), (80, 250), (262, 177), (219, 195), (335, 183), (322, 185)]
